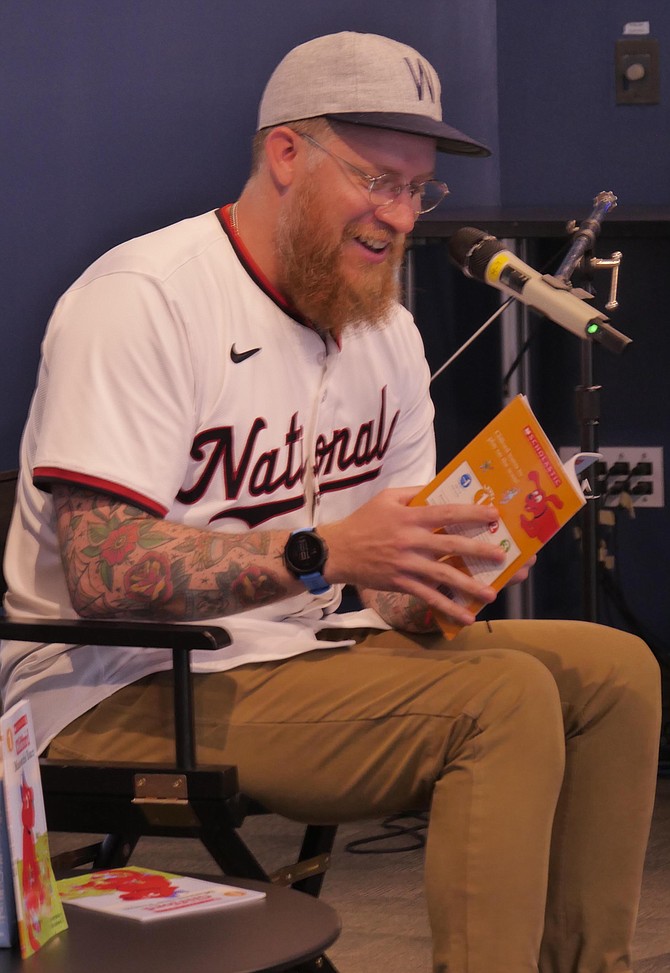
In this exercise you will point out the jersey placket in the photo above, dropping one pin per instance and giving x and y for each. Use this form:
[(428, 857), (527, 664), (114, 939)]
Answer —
[(326, 360)]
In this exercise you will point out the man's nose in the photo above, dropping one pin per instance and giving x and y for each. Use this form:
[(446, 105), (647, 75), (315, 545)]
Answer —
[(400, 214)]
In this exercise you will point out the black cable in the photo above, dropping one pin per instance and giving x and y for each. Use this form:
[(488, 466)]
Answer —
[(610, 582), (517, 361), (394, 830), (533, 328)]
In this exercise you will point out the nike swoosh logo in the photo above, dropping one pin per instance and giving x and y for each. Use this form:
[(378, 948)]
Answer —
[(240, 356)]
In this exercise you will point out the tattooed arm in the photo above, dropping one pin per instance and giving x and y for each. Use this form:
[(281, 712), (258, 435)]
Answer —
[(400, 611), (121, 561)]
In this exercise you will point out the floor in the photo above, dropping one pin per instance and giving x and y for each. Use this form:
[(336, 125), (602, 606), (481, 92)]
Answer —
[(379, 895)]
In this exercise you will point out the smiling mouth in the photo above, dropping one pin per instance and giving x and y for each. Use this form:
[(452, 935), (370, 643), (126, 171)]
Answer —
[(373, 245)]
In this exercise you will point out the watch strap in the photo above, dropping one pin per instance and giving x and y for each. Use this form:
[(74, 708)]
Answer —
[(315, 583)]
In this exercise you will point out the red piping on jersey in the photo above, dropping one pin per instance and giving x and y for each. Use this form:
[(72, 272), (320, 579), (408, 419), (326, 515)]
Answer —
[(252, 266), (44, 476), (256, 273)]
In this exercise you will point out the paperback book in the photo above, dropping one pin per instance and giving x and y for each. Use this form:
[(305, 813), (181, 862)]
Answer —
[(512, 465), (39, 911), (144, 894), (8, 928)]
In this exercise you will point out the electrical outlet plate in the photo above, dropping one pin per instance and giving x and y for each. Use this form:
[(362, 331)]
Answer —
[(631, 455), (636, 62)]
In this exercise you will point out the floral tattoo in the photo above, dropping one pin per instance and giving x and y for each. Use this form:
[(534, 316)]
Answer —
[(120, 560)]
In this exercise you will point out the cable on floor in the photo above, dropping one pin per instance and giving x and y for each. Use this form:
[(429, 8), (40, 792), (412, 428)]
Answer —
[(393, 829)]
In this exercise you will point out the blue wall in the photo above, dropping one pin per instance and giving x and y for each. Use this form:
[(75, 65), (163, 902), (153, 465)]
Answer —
[(562, 136)]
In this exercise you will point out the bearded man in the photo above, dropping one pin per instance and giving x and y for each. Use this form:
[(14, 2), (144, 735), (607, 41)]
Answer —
[(231, 418)]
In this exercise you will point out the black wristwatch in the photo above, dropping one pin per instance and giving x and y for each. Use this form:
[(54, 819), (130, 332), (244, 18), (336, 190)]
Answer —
[(305, 555)]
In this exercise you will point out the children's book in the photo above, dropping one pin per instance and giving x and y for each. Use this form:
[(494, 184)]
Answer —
[(39, 910), (8, 928), (144, 894), (512, 465)]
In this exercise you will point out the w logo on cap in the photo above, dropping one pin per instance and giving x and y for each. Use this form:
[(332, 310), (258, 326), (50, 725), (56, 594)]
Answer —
[(421, 78)]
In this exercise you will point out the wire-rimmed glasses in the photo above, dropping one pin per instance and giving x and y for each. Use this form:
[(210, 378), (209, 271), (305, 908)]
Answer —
[(385, 189)]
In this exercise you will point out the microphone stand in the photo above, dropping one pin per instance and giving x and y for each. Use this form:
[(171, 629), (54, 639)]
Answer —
[(588, 416), (587, 393)]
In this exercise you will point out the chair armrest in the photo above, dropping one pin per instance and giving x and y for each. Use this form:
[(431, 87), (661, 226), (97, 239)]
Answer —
[(180, 639), (153, 635)]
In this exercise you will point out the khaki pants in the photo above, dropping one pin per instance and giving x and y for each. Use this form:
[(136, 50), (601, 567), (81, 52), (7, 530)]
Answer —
[(535, 744)]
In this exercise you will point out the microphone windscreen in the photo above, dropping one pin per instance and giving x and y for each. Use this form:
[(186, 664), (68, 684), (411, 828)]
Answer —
[(462, 242), (471, 250)]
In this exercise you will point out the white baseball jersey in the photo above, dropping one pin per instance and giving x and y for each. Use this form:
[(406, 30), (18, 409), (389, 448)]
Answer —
[(174, 377)]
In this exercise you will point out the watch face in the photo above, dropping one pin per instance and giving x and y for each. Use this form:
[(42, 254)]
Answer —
[(305, 551)]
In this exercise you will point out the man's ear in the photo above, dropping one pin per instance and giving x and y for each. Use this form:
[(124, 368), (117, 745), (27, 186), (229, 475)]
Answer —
[(282, 146)]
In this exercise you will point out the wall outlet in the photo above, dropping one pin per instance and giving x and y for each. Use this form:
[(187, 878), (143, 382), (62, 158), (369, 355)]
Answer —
[(637, 74), (635, 470)]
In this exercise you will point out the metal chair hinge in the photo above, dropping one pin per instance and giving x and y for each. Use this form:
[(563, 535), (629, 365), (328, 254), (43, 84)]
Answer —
[(289, 874), (163, 799)]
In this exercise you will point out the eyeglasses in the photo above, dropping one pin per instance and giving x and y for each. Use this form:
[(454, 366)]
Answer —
[(385, 189)]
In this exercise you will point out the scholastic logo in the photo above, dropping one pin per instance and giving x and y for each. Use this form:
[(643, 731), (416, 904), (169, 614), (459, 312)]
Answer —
[(545, 460)]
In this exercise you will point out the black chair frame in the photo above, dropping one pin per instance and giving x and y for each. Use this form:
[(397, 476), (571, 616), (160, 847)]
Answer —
[(125, 802)]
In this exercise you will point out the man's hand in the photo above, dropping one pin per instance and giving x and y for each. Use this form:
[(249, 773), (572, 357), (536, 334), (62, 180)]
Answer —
[(120, 561), (387, 545)]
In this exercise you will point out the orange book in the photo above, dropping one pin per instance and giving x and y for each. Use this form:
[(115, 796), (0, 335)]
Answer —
[(512, 465)]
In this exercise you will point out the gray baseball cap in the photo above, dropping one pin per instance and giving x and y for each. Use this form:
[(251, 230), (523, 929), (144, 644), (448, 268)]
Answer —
[(364, 79)]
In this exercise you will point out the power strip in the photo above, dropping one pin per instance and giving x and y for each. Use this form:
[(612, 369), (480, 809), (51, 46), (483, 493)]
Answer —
[(634, 472)]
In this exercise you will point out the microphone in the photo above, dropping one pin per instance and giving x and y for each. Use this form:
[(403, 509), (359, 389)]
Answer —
[(483, 257)]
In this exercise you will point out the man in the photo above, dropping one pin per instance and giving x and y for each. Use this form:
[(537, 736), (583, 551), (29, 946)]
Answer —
[(212, 388)]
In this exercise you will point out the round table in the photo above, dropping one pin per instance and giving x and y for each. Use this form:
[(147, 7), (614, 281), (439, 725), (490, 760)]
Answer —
[(272, 934)]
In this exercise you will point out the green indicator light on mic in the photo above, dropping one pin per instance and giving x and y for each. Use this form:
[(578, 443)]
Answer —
[(592, 328)]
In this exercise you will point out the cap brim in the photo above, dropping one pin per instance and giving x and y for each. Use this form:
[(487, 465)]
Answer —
[(448, 139)]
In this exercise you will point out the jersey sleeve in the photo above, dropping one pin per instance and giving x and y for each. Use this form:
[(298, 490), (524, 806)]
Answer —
[(115, 400)]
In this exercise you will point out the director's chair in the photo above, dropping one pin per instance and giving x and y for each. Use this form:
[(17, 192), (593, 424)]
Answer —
[(125, 802)]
